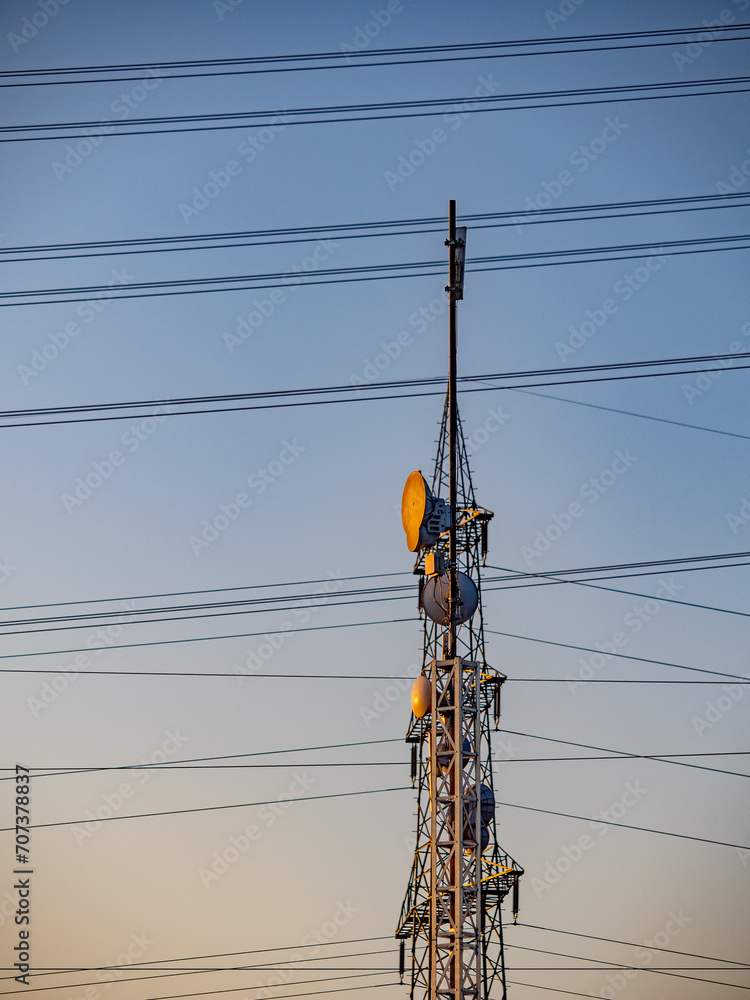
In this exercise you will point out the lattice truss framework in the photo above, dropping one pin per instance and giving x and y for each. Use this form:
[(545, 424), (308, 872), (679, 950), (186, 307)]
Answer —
[(455, 932)]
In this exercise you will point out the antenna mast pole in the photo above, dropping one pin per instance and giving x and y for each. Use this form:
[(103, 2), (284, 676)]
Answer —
[(453, 292)]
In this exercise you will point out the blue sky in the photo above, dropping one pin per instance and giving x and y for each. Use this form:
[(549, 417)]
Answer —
[(322, 484)]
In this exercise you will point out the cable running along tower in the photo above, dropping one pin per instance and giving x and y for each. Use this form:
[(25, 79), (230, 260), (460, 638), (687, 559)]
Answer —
[(460, 876)]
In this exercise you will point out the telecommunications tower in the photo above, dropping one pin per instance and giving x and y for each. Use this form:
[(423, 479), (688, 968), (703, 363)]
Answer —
[(460, 876)]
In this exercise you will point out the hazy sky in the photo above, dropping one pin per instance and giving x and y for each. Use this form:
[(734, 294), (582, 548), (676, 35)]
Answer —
[(161, 504)]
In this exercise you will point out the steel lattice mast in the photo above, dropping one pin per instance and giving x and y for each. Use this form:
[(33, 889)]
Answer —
[(451, 911)]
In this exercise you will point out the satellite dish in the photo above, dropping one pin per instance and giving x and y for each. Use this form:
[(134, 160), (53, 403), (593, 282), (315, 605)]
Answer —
[(435, 598), (423, 515), (421, 693)]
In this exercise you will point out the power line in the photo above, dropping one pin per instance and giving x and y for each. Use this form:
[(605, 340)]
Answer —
[(605, 966), (672, 33), (395, 109), (98, 408), (364, 59), (630, 413), (625, 826), (373, 791), (167, 973), (228, 283), (667, 565), (625, 755), (617, 590), (624, 656), (202, 809), (57, 772), (316, 603), (605, 210), (628, 944)]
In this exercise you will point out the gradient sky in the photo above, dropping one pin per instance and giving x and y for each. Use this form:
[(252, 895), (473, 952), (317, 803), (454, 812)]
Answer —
[(328, 508)]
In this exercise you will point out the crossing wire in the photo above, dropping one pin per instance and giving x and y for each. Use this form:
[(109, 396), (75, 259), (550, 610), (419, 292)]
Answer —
[(406, 109)]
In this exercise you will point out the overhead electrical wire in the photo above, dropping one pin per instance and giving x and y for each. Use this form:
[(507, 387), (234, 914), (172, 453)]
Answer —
[(372, 791), (259, 605), (630, 413), (344, 275), (371, 58), (604, 965), (100, 412), (675, 34), (667, 564), (626, 755), (271, 237), (399, 109), (628, 944), (57, 772)]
